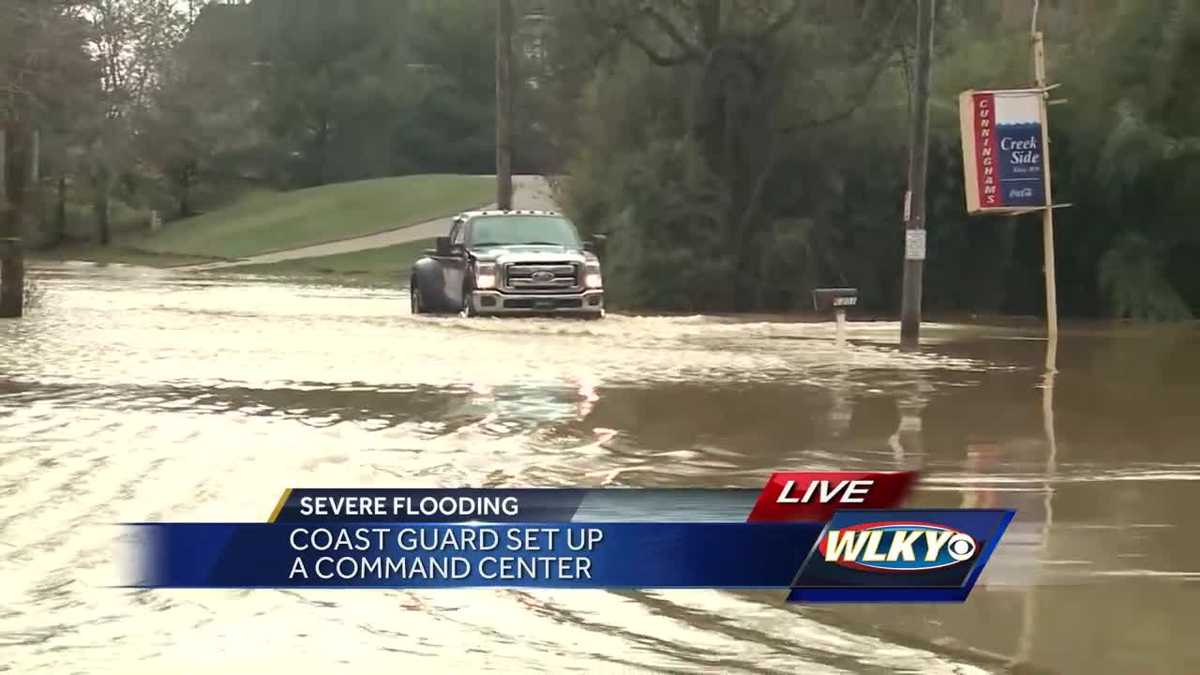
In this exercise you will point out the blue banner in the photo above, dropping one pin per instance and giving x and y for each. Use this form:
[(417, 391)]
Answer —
[(1020, 163), (867, 555), (426, 555)]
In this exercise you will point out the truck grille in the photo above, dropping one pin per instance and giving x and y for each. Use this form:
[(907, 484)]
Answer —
[(544, 277)]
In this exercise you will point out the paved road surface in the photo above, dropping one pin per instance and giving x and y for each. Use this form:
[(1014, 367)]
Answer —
[(529, 192)]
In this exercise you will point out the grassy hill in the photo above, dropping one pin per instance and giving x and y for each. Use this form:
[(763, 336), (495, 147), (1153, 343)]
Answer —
[(264, 222), (260, 223), (387, 266)]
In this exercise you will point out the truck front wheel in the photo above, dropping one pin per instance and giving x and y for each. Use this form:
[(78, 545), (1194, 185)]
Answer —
[(416, 303), (468, 308)]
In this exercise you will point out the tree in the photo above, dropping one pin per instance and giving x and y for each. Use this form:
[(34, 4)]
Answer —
[(197, 136), (132, 41), (747, 74), (45, 73)]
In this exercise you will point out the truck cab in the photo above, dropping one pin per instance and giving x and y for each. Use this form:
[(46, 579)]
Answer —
[(510, 263)]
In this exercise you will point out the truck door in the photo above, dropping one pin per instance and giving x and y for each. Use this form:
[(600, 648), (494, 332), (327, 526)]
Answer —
[(454, 267)]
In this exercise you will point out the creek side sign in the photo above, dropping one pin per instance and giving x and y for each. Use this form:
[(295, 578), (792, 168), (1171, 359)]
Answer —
[(1003, 159)]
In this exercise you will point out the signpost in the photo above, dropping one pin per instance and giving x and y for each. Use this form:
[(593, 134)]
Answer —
[(1006, 158), (1039, 69)]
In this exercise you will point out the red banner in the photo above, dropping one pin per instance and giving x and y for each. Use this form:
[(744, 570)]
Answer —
[(984, 115), (816, 495)]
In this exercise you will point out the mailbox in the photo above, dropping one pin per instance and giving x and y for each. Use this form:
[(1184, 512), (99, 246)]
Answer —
[(834, 299)]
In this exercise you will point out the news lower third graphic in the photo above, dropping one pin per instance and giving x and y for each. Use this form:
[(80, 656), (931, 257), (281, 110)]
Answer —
[(821, 536)]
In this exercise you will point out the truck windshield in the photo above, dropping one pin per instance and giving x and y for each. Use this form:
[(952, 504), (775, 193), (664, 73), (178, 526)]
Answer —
[(510, 230)]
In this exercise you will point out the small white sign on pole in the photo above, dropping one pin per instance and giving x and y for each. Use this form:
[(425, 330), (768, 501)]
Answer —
[(914, 244)]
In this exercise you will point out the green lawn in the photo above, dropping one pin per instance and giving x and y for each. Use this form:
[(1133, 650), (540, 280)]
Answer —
[(386, 266), (117, 254), (260, 223)]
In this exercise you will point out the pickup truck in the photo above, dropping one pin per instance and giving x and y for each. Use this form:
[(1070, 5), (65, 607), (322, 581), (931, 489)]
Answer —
[(510, 263)]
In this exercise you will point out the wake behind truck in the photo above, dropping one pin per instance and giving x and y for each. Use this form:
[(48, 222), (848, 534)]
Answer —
[(510, 263)]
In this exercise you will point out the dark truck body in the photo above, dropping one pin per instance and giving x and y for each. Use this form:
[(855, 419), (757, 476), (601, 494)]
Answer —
[(509, 263)]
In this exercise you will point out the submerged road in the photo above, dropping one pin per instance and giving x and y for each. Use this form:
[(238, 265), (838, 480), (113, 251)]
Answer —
[(529, 192), (130, 394)]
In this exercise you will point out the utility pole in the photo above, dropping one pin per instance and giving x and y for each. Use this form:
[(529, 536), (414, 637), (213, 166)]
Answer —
[(3, 177), (1039, 76), (504, 103), (914, 201)]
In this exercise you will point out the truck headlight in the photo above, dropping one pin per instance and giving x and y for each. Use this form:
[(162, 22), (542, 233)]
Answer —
[(485, 275), (592, 278)]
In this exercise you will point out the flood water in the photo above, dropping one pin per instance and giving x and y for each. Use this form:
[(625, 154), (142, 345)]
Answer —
[(129, 394)]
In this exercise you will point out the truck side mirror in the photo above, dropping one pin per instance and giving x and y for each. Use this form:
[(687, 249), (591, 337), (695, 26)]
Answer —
[(595, 243), (442, 246)]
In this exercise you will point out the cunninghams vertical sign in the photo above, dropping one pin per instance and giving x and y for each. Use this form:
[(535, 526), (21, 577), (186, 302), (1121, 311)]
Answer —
[(1003, 156)]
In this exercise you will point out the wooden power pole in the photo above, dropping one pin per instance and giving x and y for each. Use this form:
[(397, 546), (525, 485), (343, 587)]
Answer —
[(504, 103), (1039, 76), (918, 161), (3, 177)]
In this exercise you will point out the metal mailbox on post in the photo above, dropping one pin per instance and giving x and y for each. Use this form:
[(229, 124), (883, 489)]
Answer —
[(837, 300)]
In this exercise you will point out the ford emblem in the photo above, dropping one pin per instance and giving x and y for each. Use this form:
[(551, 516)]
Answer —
[(542, 276)]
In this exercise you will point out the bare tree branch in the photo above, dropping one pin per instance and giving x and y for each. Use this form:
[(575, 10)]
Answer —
[(623, 27), (860, 97), (669, 28), (656, 57), (857, 101), (782, 20), (760, 180)]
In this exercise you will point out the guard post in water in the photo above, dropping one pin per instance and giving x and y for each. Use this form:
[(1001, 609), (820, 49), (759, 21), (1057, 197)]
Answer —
[(12, 278)]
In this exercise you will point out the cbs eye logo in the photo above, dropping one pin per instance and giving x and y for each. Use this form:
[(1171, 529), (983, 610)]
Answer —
[(961, 546)]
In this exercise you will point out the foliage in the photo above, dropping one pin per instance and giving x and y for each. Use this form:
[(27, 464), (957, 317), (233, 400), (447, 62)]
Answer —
[(374, 87), (757, 95), (738, 152), (665, 250), (813, 164), (1132, 276), (47, 79)]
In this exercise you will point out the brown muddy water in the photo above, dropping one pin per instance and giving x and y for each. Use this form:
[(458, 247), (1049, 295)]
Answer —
[(134, 394)]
